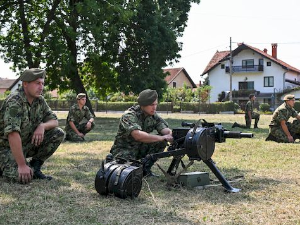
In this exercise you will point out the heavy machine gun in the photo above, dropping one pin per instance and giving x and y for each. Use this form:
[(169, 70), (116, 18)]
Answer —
[(195, 140)]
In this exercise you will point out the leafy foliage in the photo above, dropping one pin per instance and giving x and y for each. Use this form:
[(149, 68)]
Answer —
[(110, 46)]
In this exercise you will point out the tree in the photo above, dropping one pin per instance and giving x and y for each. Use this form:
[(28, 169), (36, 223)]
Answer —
[(108, 45)]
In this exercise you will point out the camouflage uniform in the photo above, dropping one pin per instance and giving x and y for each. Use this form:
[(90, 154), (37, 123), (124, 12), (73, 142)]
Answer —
[(283, 112), (16, 114), (134, 119), (76, 115), (254, 115)]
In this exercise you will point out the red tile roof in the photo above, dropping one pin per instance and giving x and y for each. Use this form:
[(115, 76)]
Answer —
[(219, 56), (6, 83)]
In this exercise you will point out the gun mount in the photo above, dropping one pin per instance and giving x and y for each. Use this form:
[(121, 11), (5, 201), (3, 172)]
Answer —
[(124, 178), (197, 141)]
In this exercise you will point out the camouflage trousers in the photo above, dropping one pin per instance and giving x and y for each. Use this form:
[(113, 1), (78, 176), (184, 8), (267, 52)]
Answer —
[(255, 117), (72, 136), (278, 133), (52, 140), (139, 153)]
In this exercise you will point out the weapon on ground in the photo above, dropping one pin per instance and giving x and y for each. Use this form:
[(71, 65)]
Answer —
[(196, 140)]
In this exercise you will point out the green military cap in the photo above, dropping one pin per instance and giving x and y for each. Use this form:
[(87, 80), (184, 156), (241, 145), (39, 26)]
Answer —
[(147, 97), (288, 97), (80, 96), (32, 74)]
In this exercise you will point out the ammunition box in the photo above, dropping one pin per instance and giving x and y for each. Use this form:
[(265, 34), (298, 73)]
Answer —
[(194, 179)]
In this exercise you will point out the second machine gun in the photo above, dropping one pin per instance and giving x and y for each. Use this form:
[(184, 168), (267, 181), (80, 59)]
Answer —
[(197, 141)]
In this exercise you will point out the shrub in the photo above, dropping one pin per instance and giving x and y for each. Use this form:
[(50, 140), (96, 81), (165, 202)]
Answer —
[(264, 107)]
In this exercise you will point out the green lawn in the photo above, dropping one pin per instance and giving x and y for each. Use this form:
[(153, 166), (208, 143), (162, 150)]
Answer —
[(270, 190)]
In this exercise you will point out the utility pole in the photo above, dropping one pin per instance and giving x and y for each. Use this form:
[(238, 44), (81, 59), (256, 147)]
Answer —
[(230, 69)]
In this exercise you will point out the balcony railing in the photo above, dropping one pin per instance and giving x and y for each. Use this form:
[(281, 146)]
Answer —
[(241, 69)]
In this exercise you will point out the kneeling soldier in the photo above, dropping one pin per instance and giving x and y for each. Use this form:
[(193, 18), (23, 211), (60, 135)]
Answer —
[(76, 128), (280, 130)]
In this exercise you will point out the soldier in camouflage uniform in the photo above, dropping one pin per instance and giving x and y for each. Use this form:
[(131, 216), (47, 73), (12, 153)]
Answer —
[(133, 140), (280, 130), (28, 128), (249, 114), (76, 128)]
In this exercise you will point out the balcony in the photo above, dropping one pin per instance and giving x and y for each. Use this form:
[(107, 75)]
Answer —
[(241, 69)]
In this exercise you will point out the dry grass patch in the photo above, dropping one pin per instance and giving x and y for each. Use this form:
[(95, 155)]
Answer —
[(270, 185)]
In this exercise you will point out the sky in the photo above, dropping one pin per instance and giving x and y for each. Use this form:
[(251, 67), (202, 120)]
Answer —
[(212, 22)]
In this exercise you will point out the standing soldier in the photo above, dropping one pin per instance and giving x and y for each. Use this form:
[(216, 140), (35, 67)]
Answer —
[(133, 140), (249, 114), (280, 130), (28, 128), (76, 128)]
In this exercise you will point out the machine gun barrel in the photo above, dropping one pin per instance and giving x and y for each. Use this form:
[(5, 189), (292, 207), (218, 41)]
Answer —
[(237, 134)]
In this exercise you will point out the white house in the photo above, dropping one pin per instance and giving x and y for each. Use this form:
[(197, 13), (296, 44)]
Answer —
[(254, 71)]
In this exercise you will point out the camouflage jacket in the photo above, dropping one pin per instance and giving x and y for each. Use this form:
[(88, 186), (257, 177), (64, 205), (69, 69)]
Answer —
[(135, 119), (249, 108), (76, 115), (283, 112), (16, 114)]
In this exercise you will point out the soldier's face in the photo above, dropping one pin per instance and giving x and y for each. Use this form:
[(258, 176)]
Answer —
[(34, 88), (82, 101), (150, 109), (291, 102)]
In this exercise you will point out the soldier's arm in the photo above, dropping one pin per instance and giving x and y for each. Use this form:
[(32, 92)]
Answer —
[(15, 143), (286, 131), (38, 134), (144, 137)]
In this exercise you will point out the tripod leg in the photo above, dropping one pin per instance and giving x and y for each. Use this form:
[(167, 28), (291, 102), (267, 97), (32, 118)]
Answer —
[(219, 175), (174, 165)]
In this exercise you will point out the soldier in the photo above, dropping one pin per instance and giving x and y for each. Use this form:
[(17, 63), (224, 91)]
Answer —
[(133, 140), (28, 128), (249, 114), (280, 130), (76, 128)]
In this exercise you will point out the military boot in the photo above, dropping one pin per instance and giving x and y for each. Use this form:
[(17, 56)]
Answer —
[(36, 164), (147, 168)]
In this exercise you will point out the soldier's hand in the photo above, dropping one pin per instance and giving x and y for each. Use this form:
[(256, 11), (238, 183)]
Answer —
[(168, 137), (38, 135), (25, 174), (291, 139), (80, 134)]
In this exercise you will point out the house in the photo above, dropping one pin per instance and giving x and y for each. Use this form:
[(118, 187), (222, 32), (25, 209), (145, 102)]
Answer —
[(253, 71), (9, 84), (177, 77)]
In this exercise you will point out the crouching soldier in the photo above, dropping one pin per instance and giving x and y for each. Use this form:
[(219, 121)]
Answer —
[(76, 127), (133, 140), (28, 128), (280, 130)]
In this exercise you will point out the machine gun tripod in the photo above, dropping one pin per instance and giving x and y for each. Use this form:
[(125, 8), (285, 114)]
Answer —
[(197, 141)]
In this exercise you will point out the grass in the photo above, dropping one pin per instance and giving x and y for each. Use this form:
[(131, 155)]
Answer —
[(270, 184)]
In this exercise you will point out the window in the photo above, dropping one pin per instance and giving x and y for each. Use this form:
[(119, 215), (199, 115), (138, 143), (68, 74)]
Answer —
[(174, 84), (268, 81), (268, 63), (248, 63), (222, 66), (246, 85)]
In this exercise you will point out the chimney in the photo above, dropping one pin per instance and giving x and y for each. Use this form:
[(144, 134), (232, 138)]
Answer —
[(274, 50), (265, 50)]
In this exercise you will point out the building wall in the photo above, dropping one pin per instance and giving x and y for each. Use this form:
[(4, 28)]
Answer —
[(180, 80)]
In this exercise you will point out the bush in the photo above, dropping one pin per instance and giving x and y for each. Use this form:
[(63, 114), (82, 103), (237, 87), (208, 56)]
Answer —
[(264, 107)]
